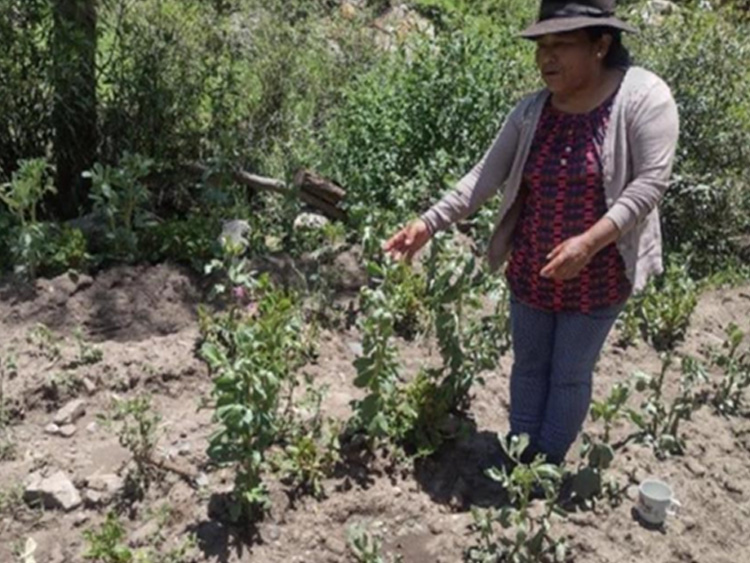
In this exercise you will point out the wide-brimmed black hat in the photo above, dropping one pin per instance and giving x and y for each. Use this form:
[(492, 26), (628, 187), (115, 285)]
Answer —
[(556, 16)]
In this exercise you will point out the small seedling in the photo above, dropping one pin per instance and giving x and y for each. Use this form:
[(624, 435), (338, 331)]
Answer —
[(729, 392), (589, 483), (8, 370), (311, 449), (527, 536), (46, 341), (658, 421), (138, 432), (88, 354), (366, 548), (106, 545)]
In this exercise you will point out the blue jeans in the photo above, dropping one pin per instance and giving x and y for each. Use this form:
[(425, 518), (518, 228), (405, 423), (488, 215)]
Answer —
[(550, 383)]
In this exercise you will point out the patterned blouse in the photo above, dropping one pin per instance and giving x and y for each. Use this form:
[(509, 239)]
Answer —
[(563, 197)]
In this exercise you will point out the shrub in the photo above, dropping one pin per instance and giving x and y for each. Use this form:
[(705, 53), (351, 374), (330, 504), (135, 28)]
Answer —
[(252, 354), (420, 119)]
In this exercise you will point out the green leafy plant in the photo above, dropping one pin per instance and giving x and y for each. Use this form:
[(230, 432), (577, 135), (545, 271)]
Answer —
[(121, 198), (589, 482), (311, 446), (659, 421), (666, 305), (22, 196), (728, 396), (252, 360), (138, 432), (527, 534), (105, 544), (419, 413), (47, 342), (8, 370), (366, 548), (377, 368), (88, 354)]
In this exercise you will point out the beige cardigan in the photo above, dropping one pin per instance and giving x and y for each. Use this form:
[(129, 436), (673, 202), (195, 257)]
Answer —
[(637, 157)]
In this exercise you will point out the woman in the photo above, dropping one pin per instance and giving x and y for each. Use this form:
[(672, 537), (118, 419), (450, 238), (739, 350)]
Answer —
[(582, 165)]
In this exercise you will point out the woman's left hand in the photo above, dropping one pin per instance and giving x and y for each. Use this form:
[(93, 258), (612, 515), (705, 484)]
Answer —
[(568, 258)]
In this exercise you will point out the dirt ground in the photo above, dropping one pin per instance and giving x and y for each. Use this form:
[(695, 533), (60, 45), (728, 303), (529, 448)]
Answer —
[(143, 319)]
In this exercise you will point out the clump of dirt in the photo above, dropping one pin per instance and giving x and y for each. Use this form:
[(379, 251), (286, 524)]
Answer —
[(121, 304)]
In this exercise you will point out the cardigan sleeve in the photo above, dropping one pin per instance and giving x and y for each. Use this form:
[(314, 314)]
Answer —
[(652, 137), (483, 181)]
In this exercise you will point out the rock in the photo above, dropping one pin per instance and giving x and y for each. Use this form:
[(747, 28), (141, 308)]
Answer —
[(55, 491), (68, 430), (732, 487), (632, 493), (52, 429), (80, 519), (71, 412), (181, 448), (310, 221), (273, 533), (335, 545), (89, 385), (663, 6), (92, 427), (107, 483), (688, 522), (348, 11), (202, 480), (93, 499), (235, 231), (355, 347), (695, 467)]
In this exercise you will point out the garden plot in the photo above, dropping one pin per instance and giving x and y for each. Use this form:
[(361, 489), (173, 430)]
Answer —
[(110, 405)]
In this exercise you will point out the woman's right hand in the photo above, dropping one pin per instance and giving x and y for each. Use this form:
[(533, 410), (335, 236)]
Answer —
[(406, 242)]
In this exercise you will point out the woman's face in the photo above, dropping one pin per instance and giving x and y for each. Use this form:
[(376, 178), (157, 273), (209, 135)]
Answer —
[(569, 61)]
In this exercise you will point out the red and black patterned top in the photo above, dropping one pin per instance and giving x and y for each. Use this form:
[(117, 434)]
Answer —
[(564, 196)]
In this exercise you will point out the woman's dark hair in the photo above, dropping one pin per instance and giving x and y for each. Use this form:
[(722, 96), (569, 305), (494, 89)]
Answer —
[(618, 55)]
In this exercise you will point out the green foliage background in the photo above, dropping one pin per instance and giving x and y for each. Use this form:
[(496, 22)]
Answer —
[(271, 86)]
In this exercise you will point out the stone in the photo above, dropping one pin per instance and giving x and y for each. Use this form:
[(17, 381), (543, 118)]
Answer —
[(105, 483), (355, 348), (202, 480), (92, 427), (235, 231), (272, 532), (310, 221), (88, 385), (68, 430), (335, 545), (55, 492), (52, 429), (80, 519), (695, 467), (93, 499), (71, 412), (732, 487)]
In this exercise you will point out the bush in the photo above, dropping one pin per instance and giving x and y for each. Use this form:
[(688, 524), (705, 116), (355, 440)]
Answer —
[(714, 104), (25, 96), (704, 219), (421, 118)]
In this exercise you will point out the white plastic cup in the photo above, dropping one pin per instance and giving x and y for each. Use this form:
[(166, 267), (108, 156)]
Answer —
[(656, 501)]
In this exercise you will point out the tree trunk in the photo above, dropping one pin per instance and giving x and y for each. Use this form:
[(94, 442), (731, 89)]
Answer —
[(74, 112)]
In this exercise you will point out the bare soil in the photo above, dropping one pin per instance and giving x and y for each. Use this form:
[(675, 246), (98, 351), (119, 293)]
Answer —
[(144, 321)]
